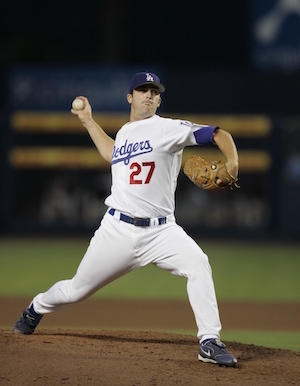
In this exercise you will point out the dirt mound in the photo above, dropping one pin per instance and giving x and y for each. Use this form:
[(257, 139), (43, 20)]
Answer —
[(68, 357)]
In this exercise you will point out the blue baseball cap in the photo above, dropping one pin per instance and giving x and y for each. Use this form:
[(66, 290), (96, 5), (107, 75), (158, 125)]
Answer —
[(143, 78)]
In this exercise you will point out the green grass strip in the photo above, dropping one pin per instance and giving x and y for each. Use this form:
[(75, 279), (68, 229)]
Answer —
[(242, 272)]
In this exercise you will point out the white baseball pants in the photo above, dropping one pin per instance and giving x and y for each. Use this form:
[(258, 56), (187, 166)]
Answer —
[(118, 248)]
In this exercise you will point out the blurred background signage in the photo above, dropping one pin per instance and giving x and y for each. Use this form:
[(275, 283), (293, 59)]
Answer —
[(275, 34)]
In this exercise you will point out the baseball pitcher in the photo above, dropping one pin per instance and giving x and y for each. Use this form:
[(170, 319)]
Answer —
[(139, 227)]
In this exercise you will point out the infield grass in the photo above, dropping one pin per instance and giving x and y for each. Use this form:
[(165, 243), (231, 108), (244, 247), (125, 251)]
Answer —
[(249, 272)]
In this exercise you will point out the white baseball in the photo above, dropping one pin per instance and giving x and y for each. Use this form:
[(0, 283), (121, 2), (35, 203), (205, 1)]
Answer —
[(78, 104)]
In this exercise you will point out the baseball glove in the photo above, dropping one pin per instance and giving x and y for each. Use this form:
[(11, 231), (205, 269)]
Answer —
[(205, 174)]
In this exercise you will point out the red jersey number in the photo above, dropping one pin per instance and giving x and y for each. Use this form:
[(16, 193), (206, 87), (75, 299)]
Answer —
[(137, 169)]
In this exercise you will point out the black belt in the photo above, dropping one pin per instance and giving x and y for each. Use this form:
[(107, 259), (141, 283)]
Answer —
[(137, 221)]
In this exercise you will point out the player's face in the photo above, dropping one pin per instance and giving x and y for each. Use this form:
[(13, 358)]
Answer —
[(144, 101)]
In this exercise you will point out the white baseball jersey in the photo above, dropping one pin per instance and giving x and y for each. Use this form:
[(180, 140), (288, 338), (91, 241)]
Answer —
[(146, 161)]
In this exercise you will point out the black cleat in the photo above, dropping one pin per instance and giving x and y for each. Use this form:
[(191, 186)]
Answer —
[(27, 322), (214, 351)]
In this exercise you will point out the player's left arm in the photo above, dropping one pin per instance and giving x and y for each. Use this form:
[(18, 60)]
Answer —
[(226, 144)]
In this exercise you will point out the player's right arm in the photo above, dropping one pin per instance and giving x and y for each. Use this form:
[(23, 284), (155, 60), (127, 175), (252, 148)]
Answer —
[(102, 141)]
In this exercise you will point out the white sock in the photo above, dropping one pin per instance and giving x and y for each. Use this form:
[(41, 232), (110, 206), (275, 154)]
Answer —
[(208, 336)]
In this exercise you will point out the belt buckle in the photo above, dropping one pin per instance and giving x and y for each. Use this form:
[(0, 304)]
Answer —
[(141, 222)]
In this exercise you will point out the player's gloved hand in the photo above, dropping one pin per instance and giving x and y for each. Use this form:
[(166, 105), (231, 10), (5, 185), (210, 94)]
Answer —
[(210, 175)]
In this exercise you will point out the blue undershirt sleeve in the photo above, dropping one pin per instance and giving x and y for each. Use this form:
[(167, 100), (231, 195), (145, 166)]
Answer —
[(204, 134)]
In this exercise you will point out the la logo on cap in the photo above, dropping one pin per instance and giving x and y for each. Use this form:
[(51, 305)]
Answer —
[(149, 78)]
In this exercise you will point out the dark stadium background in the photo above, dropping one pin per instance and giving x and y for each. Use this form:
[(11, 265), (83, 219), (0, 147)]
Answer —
[(210, 61)]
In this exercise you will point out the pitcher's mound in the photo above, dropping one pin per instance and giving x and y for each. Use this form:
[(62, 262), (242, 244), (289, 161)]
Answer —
[(108, 358)]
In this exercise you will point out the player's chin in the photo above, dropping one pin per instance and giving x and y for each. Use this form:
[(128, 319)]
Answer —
[(148, 111)]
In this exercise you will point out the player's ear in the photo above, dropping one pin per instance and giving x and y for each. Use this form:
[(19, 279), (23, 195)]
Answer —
[(129, 98), (159, 103)]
